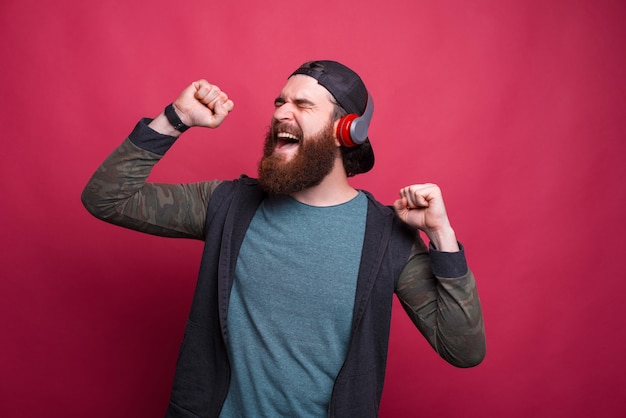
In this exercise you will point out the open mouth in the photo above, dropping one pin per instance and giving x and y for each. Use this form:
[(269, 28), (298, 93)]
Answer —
[(285, 139)]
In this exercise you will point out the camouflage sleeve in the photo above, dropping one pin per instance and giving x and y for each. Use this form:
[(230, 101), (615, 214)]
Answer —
[(119, 193), (446, 310)]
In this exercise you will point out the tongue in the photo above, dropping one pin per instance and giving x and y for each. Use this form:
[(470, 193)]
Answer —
[(286, 145), (283, 142)]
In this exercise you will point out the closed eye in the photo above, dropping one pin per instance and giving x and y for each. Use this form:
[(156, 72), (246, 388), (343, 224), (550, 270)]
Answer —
[(301, 103), (304, 103), (279, 101)]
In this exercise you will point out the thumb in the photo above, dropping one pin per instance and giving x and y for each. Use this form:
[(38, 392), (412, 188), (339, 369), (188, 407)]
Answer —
[(223, 107), (400, 204), (219, 108), (218, 113)]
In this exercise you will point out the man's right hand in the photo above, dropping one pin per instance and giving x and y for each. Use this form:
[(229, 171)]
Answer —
[(200, 104), (203, 104)]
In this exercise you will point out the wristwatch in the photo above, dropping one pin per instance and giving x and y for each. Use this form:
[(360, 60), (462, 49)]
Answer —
[(171, 115)]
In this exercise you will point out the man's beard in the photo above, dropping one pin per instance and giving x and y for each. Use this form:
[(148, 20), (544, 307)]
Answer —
[(313, 161)]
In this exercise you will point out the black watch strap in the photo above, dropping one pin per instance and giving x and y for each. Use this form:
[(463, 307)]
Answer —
[(171, 115)]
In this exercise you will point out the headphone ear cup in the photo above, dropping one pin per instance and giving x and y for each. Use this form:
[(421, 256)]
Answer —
[(352, 128), (343, 130)]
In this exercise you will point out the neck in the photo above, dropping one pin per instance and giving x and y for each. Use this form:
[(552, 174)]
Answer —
[(333, 190)]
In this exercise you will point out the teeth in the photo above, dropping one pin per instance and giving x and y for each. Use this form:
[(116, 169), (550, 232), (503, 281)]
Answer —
[(286, 135)]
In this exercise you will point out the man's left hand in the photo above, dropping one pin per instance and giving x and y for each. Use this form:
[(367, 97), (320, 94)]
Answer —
[(422, 207)]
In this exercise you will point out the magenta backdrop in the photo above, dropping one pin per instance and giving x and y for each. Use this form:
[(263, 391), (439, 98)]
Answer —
[(516, 108)]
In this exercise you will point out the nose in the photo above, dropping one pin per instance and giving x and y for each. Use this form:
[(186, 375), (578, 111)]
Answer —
[(283, 112)]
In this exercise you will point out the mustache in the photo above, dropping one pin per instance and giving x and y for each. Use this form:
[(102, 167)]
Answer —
[(285, 127)]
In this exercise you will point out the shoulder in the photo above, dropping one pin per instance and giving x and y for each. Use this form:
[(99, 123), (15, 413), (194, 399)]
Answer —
[(242, 180), (384, 210), (401, 231), (243, 185), (378, 208)]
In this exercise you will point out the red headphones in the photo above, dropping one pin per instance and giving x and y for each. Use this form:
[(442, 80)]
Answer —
[(352, 128)]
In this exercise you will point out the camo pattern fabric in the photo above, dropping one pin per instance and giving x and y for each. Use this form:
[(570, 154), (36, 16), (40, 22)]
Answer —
[(118, 193), (447, 311)]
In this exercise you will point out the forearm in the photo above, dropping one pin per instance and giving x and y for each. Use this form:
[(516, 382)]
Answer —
[(163, 126), (444, 239), (439, 293), (118, 191)]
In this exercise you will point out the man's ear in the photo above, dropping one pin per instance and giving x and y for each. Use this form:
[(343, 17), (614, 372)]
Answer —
[(335, 124)]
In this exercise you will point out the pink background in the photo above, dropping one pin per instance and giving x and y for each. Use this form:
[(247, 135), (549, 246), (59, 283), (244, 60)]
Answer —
[(515, 108)]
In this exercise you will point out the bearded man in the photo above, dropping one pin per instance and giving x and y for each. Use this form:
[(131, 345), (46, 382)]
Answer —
[(292, 307)]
